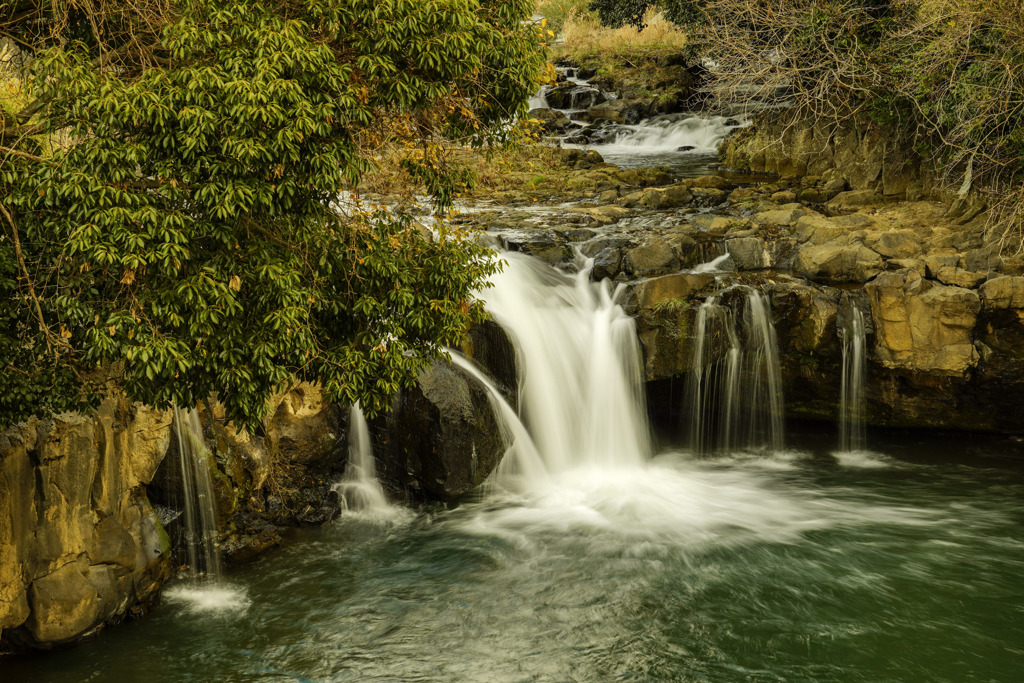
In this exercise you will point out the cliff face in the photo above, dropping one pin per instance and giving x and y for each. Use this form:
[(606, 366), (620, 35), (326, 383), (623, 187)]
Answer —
[(80, 544)]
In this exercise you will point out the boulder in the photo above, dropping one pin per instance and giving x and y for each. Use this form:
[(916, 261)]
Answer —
[(779, 217), (441, 439), (854, 200), (894, 243), (606, 111), (921, 326), (749, 253), (836, 264), (655, 257), (958, 277), (1003, 293), (551, 120), (607, 264), (655, 291)]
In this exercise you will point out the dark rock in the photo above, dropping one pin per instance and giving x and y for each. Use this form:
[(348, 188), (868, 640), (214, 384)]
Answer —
[(685, 148), (606, 264), (441, 439)]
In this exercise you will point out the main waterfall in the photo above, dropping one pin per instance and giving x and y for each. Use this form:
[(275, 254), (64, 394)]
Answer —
[(581, 391)]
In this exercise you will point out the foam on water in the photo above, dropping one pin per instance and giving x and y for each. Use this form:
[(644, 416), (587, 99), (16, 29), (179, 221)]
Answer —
[(863, 459), (217, 598)]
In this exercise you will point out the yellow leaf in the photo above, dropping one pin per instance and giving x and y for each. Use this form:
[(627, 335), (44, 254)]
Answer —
[(235, 283)]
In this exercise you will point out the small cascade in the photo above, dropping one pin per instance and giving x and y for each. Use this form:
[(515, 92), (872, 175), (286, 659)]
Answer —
[(359, 488), (734, 391), (200, 513), (581, 392), (852, 434), (521, 457)]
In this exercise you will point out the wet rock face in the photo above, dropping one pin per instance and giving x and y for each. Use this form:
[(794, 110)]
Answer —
[(82, 546), (441, 439)]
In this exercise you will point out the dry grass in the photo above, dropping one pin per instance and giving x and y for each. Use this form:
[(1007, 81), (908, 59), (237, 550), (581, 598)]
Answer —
[(584, 36)]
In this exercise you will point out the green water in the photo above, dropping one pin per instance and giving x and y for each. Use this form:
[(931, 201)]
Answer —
[(794, 567)]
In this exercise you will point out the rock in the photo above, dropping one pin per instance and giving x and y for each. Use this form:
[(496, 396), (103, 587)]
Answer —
[(894, 243), (80, 545), (749, 253), (653, 258), (685, 148), (821, 230), (670, 197), (958, 277), (606, 111), (488, 345), (1003, 293), (543, 245), (606, 264), (552, 121), (836, 185), (581, 158), (779, 218), (923, 327), (982, 260), (441, 439), (838, 264), (784, 197), (708, 197), (658, 290), (715, 182), (914, 264), (724, 224), (573, 96), (603, 215), (853, 200), (935, 261)]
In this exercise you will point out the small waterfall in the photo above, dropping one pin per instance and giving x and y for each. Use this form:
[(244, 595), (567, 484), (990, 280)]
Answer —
[(200, 512), (359, 488), (581, 392), (673, 133), (521, 457), (734, 391), (852, 435)]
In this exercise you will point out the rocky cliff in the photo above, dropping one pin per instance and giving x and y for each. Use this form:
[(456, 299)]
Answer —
[(80, 544)]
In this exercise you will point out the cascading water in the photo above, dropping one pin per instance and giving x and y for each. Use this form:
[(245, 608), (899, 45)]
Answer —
[(200, 514), (734, 391), (359, 487), (580, 386), (852, 436)]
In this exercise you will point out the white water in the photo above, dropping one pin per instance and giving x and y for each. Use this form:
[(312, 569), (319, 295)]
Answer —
[(852, 435), (200, 513), (656, 136), (359, 488), (580, 387), (734, 391)]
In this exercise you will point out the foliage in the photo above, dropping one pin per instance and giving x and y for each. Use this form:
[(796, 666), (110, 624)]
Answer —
[(634, 13), (190, 222), (946, 75)]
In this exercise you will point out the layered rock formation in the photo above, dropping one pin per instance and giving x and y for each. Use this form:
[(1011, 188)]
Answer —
[(80, 544)]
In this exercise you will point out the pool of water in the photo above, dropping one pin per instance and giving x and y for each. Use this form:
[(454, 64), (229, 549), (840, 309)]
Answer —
[(797, 566)]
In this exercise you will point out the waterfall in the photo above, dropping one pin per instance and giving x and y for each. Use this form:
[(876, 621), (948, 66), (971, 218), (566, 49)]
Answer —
[(359, 488), (200, 512), (521, 457), (580, 386), (734, 390), (851, 402)]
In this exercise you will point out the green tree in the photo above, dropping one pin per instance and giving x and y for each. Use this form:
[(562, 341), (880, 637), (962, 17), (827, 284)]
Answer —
[(174, 199)]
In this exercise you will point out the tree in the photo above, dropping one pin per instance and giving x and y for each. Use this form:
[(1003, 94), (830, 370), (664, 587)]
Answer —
[(174, 201)]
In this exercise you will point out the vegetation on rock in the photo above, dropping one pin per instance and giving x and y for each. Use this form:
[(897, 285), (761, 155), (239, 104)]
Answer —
[(173, 181)]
